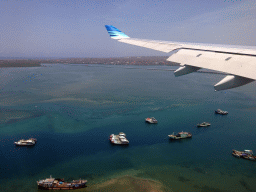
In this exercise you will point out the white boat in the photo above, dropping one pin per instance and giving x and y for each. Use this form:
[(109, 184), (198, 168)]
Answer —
[(28, 142), (151, 120), (119, 139)]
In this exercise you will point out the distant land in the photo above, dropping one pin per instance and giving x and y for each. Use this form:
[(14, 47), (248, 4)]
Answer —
[(144, 60)]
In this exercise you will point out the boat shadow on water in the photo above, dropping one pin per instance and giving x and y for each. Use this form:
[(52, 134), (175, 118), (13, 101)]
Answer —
[(25, 146), (150, 124), (180, 140), (118, 146), (43, 190)]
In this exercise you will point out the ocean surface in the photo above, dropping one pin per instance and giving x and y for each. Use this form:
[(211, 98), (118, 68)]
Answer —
[(72, 110)]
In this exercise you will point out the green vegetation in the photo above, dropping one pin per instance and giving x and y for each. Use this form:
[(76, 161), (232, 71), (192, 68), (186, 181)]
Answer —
[(150, 60), (20, 63)]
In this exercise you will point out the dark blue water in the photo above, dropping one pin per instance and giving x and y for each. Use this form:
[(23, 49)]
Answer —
[(72, 109)]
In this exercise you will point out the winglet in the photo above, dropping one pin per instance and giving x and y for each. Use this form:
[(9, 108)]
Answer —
[(115, 33)]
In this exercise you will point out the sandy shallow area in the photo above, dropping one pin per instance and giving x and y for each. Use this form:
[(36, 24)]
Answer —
[(128, 184), (10, 116)]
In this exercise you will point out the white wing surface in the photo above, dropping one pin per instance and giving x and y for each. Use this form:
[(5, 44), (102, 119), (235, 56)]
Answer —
[(238, 62)]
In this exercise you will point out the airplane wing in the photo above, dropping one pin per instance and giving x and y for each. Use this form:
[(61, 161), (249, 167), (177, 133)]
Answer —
[(238, 62)]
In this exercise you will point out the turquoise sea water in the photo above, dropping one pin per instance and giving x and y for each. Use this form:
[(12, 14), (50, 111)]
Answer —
[(72, 110)]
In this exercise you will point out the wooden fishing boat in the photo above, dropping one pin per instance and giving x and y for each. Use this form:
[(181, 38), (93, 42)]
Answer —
[(219, 111), (60, 184), (180, 135), (151, 120), (204, 124), (246, 154)]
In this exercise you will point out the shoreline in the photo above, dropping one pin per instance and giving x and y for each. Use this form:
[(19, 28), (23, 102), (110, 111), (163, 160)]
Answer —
[(148, 60), (15, 63)]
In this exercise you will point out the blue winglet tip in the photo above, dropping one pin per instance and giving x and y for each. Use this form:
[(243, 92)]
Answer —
[(115, 33), (111, 28)]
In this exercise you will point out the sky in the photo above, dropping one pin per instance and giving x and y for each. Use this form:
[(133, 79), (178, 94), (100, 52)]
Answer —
[(76, 28)]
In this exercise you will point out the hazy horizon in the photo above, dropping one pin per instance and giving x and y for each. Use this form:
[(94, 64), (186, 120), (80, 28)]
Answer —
[(76, 57)]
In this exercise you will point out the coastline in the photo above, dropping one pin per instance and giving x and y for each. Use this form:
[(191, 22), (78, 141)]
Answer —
[(19, 63), (134, 61), (148, 60)]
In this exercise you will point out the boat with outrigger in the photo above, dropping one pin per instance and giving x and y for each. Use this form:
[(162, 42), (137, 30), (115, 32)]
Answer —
[(180, 135), (204, 124), (151, 120), (246, 154), (119, 139), (60, 184), (28, 142), (219, 111)]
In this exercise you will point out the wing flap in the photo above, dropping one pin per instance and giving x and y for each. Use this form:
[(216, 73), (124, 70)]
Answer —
[(163, 47), (240, 65)]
